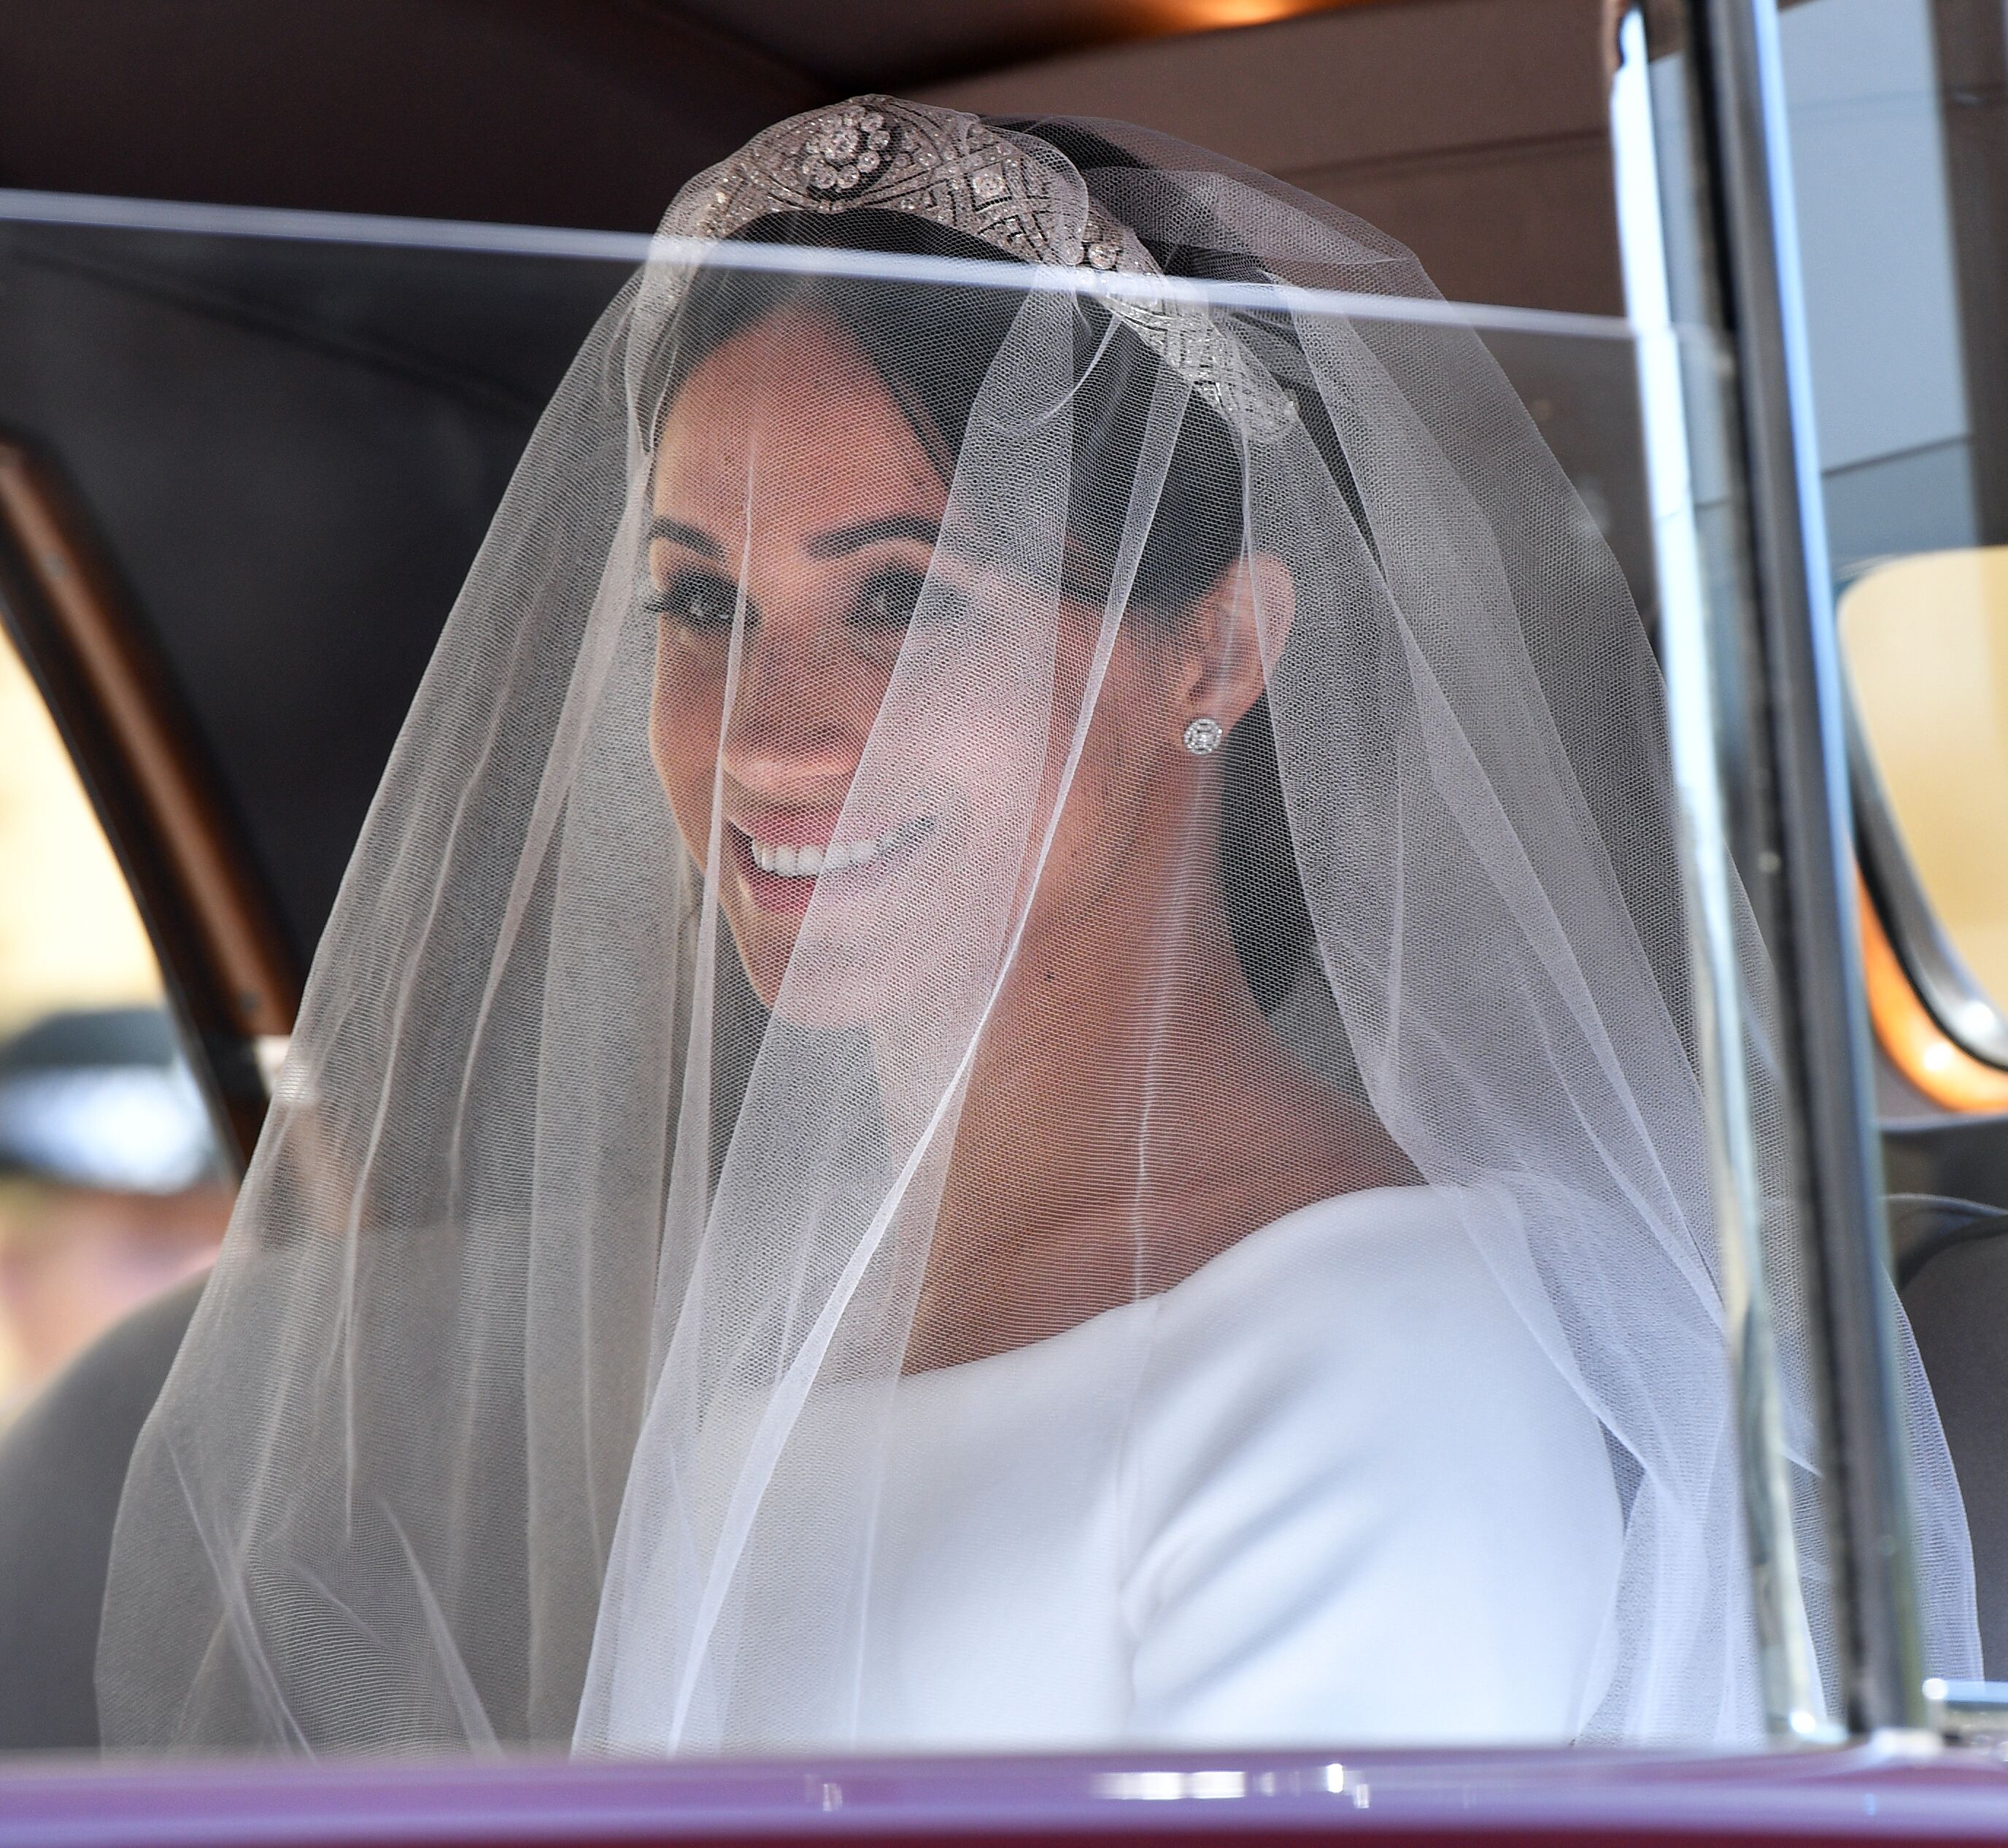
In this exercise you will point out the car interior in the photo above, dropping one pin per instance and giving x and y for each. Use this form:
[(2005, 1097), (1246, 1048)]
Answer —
[(244, 469)]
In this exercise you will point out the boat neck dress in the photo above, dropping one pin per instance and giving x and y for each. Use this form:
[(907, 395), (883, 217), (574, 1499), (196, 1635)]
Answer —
[(1329, 1488)]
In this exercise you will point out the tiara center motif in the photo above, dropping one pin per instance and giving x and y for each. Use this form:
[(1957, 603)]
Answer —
[(961, 173), (846, 150)]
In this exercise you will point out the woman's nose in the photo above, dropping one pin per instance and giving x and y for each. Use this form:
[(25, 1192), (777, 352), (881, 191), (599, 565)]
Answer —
[(800, 713)]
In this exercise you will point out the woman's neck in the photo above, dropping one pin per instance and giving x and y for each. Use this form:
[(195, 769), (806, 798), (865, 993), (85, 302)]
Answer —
[(1130, 1113), (1097, 1058)]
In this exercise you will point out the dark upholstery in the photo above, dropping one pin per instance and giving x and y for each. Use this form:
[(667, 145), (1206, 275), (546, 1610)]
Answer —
[(1957, 1300), (61, 1467)]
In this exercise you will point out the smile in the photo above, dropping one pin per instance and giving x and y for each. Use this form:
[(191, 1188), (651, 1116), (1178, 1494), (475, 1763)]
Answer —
[(807, 862)]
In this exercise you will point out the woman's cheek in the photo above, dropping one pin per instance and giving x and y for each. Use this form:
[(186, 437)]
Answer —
[(684, 740)]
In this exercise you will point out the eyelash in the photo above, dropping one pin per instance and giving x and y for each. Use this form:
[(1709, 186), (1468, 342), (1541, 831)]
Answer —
[(677, 599), (705, 602)]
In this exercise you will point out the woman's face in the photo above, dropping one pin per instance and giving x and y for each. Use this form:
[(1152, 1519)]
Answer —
[(792, 494)]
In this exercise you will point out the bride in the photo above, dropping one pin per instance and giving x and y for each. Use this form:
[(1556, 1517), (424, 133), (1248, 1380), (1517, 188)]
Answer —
[(1005, 1064)]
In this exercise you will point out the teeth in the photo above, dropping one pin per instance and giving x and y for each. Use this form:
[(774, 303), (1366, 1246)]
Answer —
[(805, 862)]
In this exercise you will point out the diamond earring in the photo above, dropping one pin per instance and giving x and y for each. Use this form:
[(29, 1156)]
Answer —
[(1203, 737)]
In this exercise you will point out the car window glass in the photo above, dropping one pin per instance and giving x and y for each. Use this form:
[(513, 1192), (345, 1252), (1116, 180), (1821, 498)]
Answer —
[(109, 1192), (1901, 186), (1926, 639), (395, 386)]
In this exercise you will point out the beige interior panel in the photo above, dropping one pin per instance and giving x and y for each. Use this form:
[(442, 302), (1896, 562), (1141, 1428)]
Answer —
[(1475, 131)]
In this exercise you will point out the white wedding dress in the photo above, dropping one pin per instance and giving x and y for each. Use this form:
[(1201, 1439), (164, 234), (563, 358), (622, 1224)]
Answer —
[(1328, 1490)]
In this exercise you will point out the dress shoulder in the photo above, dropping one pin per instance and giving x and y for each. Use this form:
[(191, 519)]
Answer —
[(1362, 1502)]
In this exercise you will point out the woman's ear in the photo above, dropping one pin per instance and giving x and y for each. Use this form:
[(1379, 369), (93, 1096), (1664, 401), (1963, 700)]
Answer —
[(1235, 631)]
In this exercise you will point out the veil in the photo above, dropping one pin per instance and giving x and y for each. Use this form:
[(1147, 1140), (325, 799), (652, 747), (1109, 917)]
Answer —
[(1261, 744)]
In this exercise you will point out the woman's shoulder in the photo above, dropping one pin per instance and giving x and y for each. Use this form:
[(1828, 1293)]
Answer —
[(1348, 1440), (1373, 1323), (1388, 1272)]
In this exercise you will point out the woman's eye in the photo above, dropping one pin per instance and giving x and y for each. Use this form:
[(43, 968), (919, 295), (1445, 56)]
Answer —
[(892, 601), (889, 600), (696, 599)]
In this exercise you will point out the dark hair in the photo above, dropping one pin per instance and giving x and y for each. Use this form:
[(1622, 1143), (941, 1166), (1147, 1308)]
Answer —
[(1198, 531)]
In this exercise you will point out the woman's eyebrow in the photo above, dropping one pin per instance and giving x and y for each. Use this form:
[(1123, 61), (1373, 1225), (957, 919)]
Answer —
[(896, 526), (678, 534)]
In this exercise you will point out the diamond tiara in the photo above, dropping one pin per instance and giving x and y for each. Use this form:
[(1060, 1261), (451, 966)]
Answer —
[(955, 170)]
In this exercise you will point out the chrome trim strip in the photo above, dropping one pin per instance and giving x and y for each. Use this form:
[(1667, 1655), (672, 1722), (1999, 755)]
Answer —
[(1829, 1066), (92, 211), (1794, 1709)]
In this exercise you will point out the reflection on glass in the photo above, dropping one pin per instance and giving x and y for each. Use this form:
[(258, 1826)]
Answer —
[(68, 934), (1882, 270), (1901, 171), (1925, 640), (108, 1193)]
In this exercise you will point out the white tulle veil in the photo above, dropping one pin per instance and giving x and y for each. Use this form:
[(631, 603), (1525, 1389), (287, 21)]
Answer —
[(570, 1273)]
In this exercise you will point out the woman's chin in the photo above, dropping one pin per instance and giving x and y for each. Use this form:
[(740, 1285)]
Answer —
[(837, 949), (842, 980), (831, 993), (765, 961)]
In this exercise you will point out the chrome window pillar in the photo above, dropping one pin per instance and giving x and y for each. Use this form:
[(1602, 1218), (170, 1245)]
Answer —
[(1698, 738), (1756, 723)]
